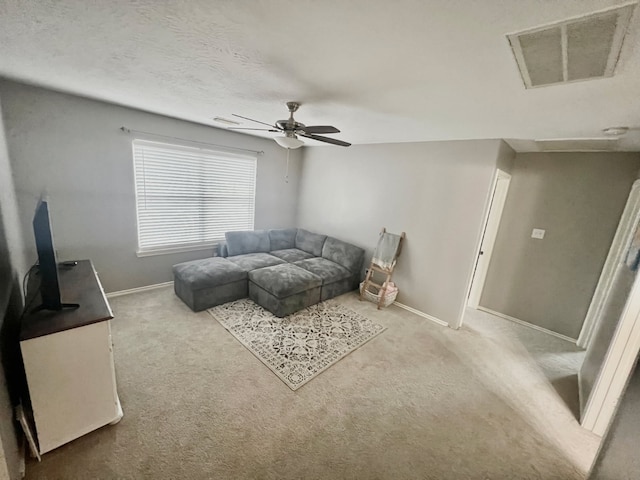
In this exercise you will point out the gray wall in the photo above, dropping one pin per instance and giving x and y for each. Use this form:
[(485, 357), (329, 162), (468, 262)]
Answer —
[(618, 458), (578, 199), (506, 158), (72, 149), (12, 268), (434, 191)]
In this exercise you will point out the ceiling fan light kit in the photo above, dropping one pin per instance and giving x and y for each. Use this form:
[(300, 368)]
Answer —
[(291, 129), (289, 141)]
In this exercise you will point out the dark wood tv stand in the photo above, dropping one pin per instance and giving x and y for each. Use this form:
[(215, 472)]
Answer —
[(68, 361)]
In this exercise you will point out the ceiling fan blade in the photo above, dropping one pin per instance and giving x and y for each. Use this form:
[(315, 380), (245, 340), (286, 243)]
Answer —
[(334, 141), (320, 129), (263, 129), (252, 120)]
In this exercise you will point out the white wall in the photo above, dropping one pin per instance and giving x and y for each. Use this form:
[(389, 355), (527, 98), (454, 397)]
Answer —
[(434, 191), (72, 149), (506, 158)]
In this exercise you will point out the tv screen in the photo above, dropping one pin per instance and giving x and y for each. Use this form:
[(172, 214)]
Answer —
[(47, 263)]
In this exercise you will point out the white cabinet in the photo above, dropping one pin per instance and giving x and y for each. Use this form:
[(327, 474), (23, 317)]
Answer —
[(70, 373), (72, 383)]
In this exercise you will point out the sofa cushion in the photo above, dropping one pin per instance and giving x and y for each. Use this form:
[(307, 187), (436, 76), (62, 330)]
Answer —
[(343, 253), (310, 242), (291, 255), (283, 238), (326, 269), (208, 272), (282, 307), (284, 280), (333, 289), (252, 261), (239, 243)]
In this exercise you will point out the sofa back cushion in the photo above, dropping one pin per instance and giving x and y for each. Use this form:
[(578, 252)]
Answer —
[(239, 243), (310, 242), (283, 238), (343, 253)]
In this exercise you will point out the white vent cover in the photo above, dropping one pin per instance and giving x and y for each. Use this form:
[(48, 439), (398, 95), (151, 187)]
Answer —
[(572, 50), (577, 144)]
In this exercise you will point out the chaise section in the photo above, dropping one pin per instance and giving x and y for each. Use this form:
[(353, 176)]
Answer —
[(310, 242), (351, 258), (333, 289), (253, 261), (291, 255), (343, 253), (336, 279), (284, 289), (209, 282), (326, 269)]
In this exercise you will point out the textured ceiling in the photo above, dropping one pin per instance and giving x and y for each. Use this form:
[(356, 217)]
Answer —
[(381, 71)]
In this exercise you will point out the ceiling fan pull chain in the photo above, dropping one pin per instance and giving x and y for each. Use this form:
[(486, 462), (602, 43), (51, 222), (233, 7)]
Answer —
[(286, 174)]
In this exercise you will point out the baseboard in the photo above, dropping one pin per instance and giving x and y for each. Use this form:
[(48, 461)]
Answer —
[(146, 288), (527, 324), (421, 314), (165, 284)]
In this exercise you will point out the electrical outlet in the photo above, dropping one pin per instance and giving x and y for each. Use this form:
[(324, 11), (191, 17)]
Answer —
[(537, 233)]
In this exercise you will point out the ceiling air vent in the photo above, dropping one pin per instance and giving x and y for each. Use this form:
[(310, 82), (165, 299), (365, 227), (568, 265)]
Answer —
[(573, 50), (576, 144)]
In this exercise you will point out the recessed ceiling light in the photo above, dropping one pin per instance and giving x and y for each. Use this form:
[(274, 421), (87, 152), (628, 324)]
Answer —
[(615, 131), (225, 121)]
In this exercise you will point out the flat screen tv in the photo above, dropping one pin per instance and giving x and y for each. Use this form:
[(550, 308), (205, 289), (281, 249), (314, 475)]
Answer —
[(47, 262)]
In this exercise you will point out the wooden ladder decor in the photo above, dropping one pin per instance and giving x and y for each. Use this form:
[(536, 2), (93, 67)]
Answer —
[(387, 272)]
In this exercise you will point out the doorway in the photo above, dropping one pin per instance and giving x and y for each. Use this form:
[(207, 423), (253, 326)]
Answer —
[(611, 331), (501, 184)]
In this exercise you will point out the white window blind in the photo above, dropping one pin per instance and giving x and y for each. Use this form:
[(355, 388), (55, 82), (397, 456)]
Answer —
[(188, 197)]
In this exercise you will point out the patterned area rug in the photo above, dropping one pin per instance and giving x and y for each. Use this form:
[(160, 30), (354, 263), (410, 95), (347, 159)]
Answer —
[(299, 347)]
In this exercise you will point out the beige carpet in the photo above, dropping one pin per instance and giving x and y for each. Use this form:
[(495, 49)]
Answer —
[(299, 347), (427, 402)]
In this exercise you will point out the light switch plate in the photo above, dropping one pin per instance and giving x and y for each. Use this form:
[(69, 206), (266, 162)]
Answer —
[(537, 233)]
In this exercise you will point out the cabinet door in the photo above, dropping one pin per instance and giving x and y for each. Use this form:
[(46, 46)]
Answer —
[(71, 379)]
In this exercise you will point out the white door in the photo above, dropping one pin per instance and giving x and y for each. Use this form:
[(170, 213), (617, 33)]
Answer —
[(618, 364), (500, 189)]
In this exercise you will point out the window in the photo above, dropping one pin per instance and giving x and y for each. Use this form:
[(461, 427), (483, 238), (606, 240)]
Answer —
[(188, 197)]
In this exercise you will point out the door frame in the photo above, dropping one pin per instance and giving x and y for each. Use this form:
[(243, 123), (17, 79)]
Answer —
[(617, 367), (499, 191)]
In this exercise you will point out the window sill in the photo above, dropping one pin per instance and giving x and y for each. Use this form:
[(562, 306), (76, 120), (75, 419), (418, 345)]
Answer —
[(170, 250)]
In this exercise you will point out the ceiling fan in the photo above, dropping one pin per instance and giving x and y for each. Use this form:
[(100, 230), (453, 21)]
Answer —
[(291, 129)]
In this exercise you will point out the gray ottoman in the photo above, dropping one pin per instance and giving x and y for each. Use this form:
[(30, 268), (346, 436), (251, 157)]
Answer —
[(209, 282), (284, 289)]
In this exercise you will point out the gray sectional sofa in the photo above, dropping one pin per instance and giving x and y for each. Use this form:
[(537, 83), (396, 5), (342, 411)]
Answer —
[(282, 270)]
